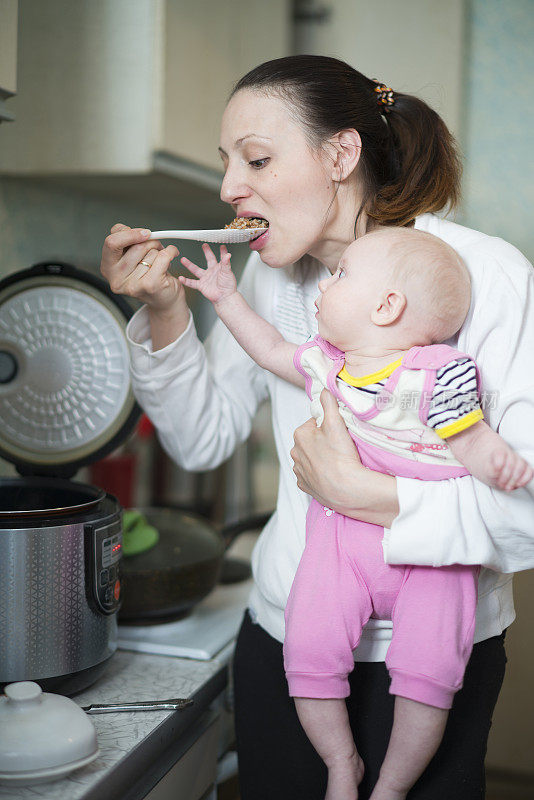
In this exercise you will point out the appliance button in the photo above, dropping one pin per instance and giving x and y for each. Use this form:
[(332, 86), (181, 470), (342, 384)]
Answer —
[(108, 596), (112, 574), (117, 590), (104, 577)]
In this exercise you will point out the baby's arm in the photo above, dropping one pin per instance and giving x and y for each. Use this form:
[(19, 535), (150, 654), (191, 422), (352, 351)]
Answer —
[(456, 416), (257, 337), (487, 456)]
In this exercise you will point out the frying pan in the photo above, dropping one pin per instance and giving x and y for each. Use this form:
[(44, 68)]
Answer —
[(165, 582)]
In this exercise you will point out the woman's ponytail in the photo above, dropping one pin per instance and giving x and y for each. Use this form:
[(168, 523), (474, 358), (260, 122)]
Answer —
[(428, 166)]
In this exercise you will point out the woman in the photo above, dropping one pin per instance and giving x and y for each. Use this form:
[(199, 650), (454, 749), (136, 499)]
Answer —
[(325, 155)]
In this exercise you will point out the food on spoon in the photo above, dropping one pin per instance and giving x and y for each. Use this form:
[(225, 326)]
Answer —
[(245, 222)]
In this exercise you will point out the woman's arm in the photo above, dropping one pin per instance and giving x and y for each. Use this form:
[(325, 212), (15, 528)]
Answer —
[(493, 528), (431, 523), (462, 520), (327, 467), (138, 266), (167, 326), (202, 399)]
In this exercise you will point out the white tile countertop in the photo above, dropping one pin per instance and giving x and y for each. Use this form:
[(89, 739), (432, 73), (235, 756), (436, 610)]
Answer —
[(127, 739)]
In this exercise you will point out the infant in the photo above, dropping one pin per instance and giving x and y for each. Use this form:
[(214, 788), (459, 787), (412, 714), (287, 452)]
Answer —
[(412, 408)]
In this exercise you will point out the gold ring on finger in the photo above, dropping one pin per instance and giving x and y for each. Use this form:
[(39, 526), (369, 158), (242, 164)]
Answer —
[(145, 263)]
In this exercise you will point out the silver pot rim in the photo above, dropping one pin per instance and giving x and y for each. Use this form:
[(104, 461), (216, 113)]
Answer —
[(26, 497)]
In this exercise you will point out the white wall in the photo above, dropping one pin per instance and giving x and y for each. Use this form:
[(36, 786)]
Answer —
[(498, 199)]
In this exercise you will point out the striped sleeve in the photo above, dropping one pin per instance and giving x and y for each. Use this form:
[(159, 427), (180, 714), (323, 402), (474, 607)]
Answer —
[(454, 405)]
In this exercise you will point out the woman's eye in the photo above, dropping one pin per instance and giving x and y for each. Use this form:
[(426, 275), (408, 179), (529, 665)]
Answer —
[(259, 163), (341, 273)]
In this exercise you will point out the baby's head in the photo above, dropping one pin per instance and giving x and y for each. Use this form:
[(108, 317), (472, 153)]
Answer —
[(398, 287)]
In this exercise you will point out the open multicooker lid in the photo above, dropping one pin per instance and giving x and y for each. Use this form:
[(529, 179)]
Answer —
[(65, 394)]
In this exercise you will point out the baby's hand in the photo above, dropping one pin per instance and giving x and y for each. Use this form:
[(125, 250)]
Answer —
[(510, 471), (217, 282)]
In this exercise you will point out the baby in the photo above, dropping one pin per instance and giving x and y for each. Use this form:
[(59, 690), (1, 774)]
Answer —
[(411, 405)]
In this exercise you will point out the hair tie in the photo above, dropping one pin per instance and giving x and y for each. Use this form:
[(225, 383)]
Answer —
[(385, 96)]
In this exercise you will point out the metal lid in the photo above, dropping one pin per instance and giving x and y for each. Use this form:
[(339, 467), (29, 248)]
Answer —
[(65, 393)]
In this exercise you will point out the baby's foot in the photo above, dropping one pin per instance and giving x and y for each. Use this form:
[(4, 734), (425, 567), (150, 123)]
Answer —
[(344, 777)]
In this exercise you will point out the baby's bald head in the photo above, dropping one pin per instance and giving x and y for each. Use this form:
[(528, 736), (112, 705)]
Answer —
[(428, 271)]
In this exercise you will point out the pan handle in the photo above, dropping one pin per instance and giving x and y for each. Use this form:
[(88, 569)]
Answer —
[(231, 531)]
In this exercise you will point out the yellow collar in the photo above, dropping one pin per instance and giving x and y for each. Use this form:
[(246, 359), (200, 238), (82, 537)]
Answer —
[(374, 377)]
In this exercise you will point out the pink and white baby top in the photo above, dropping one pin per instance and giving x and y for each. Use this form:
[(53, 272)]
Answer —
[(408, 409)]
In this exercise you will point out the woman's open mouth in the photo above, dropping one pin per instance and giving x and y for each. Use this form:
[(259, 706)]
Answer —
[(252, 220), (260, 241)]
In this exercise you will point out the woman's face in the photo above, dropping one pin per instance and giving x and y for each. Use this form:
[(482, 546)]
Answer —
[(271, 172)]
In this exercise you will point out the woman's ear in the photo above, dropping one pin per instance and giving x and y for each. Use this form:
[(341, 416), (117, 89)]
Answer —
[(389, 308), (346, 147)]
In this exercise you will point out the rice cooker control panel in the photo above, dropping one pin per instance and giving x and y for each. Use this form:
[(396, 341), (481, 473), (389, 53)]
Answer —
[(106, 558)]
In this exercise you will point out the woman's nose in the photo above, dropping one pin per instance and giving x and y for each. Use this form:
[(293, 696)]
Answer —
[(322, 285), (233, 188)]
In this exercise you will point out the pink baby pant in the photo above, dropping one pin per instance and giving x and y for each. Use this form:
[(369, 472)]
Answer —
[(342, 581)]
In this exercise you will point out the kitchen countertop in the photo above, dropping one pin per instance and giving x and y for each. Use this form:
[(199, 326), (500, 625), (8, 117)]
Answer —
[(138, 748), (133, 742)]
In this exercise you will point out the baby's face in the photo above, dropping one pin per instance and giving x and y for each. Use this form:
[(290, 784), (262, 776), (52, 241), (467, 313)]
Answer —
[(348, 297)]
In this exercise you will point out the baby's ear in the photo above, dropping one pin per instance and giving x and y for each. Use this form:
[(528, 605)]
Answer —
[(389, 308)]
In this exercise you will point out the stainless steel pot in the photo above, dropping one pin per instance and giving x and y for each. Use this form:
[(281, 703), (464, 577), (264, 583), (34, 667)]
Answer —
[(60, 579)]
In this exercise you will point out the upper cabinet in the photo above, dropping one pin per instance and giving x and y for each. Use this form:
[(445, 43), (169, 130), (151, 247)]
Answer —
[(8, 56), (414, 46), (206, 49), (114, 87)]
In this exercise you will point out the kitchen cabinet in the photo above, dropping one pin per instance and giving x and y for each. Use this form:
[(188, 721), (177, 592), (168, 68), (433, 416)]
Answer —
[(416, 46), (194, 773), (8, 56), (206, 50), (113, 93)]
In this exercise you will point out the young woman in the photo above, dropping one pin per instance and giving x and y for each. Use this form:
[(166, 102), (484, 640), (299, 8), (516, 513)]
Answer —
[(325, 154)]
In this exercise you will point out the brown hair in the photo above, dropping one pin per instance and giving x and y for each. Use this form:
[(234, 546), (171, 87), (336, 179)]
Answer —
[(409, 162)]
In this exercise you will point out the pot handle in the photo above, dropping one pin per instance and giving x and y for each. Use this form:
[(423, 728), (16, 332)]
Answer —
[(231, 531)]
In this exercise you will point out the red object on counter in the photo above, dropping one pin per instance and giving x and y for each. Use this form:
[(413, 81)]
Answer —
[(116, 474), (145, 428)]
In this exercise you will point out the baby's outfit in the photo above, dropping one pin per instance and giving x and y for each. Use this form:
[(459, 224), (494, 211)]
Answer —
[(399, 419)]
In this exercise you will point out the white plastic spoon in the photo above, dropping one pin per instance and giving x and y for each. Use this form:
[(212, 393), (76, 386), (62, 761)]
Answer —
[(223, 235)]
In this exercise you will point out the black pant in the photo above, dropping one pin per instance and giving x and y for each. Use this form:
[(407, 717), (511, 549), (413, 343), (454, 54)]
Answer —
[(277, 762)]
